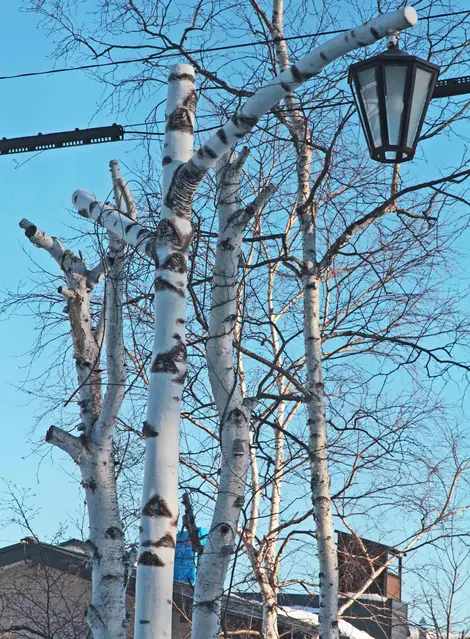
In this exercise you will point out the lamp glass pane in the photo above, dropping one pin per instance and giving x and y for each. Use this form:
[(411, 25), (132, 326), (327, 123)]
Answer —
[(368, 95), (395, 78), (420, 94)]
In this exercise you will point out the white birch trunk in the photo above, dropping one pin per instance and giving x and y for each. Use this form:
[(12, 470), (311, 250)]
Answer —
[(234, 411), (168, 371), (93, 450)]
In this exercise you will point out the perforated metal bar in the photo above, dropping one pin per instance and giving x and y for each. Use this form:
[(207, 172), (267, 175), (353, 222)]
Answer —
[(79, 137), (452, 86)]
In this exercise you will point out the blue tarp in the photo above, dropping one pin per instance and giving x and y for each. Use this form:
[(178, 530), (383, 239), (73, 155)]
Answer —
[(185, 558)]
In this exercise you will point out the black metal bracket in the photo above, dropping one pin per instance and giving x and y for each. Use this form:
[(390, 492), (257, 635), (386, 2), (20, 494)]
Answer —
[(79, 137), (452, 86)]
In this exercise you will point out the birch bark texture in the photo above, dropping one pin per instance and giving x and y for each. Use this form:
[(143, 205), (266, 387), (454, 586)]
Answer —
[(93, 449), (234, 410), (159, 515)]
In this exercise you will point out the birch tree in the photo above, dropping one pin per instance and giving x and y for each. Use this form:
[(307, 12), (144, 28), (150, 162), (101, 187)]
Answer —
[(233, 407), (92, 450), (179, 186)]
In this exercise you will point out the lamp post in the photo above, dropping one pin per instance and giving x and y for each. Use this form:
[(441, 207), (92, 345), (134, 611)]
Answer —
[(392, 92)]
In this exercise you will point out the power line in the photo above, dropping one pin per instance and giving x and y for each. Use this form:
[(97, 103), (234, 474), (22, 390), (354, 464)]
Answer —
[(178, 52), (301, 107)]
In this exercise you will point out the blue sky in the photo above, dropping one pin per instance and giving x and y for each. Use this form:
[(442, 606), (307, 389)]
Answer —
[(40, 189)]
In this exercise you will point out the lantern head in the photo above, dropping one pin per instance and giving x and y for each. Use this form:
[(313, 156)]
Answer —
[(392, 92)]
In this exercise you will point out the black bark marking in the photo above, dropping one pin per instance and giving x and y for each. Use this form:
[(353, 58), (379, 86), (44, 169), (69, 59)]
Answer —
[(90, 484), (375, 33), (142, 232), (185, 181), (246, 121), (323, 56), (149, 431), (239, 135), (208, 606), (239, 501), (181, 76), (90, 208), (166, 160), (296, 73), (230, 319), (180, 320), (226, 245), (144, 621), (250, 210), (237, 415), (113, 532), (167, 362), (179, 120), (169, 602), (85, 442), (286, 87), (149, 558), (128, 227), (156, 507), (162, 284), (175, 262), (166, 541), (210, 152), (111, 577), (222, 136), (31, 231), (168, 233), (224, 529)]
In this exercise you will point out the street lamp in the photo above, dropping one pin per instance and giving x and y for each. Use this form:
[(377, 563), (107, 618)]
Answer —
[(392, 91)]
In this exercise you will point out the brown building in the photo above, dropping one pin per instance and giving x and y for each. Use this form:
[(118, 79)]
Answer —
[(45, 591)]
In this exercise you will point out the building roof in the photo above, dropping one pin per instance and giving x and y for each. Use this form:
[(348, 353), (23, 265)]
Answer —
[(71, 556)]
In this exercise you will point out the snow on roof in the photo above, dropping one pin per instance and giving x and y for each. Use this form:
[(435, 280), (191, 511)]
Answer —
[(310, 615), (369, 596), (416, 629)]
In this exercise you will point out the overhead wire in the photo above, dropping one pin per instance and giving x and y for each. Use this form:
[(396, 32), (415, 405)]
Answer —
[(178, 51), (213, 128)]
